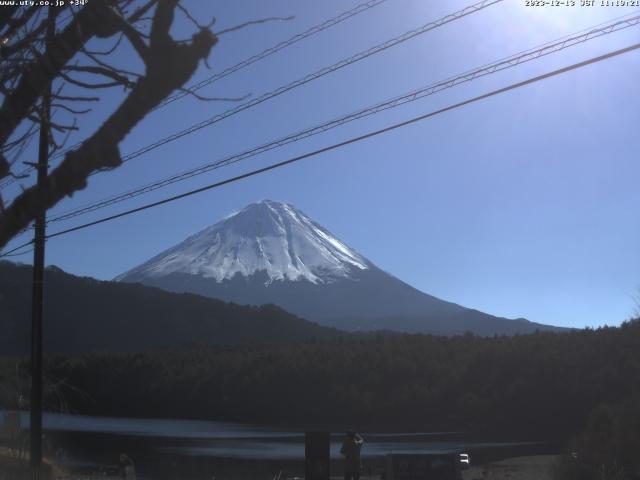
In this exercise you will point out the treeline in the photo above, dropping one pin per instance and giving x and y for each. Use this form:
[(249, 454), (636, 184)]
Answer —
[(539, 386)]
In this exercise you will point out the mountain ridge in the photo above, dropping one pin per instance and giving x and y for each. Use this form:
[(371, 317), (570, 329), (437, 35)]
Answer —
[(271, 252), (83, 314)]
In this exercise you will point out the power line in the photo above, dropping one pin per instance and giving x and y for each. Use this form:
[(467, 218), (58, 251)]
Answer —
[(374, 133), (311, 77), (314, 76), (12, 179), (274, 49), (363, 7), (265, 53), (302, 81), (10, 253), (344, 143), (499, 65), (18, 254)]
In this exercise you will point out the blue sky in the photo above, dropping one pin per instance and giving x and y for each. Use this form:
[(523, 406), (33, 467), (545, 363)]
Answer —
[(523, 205)]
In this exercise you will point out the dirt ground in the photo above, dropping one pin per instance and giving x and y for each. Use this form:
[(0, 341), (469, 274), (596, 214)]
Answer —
[(15, 467), (535, 467)]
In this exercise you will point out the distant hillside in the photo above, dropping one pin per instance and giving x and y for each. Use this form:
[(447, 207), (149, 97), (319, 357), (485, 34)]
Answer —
[(84, 314)]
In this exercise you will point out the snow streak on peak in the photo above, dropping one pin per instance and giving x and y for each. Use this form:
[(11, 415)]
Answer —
[(265, 236)]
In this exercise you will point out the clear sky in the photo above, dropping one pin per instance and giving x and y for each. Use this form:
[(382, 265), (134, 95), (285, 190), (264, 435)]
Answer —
[(523, 205)]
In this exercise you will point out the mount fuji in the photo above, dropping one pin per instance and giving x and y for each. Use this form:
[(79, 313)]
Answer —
[(272, 253)]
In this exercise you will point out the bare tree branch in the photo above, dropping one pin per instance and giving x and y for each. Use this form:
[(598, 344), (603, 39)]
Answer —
[(23, 145), (69, 109), (92, 86), (110, 50), (14, 25), (105, 72), (91, 20), (193, 20), (169, 67), (254, 22), (135, 39), (8, 146), (10, 49), (57, 146), (139, 13), (213, 99), (76, 98), (104, 64), (6, 16), (162, 23), (50, 124)]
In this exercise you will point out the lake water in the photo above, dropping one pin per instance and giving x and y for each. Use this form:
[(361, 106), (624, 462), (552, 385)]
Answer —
[(190, 438)]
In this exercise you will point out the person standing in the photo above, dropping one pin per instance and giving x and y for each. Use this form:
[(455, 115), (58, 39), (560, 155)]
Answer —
[(351, 447), (127, 467)]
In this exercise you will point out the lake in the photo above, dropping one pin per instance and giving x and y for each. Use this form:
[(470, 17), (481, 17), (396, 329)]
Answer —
[(88, 441)]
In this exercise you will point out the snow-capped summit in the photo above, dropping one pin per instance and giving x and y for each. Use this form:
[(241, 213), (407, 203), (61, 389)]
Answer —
[(271, 237), (271, 252)]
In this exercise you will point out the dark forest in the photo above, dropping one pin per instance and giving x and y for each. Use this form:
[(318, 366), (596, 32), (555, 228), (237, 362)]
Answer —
[(580, 388)]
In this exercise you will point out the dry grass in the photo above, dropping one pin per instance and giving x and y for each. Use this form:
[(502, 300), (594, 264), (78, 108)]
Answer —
[(535, 467), (12, 467)]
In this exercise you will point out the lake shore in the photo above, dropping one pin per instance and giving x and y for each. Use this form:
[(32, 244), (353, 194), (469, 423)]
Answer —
[(532, 467), (15, 466), (167, 449)]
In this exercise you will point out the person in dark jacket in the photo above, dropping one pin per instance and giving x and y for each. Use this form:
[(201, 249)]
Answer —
[(127, 467), (351, 447)]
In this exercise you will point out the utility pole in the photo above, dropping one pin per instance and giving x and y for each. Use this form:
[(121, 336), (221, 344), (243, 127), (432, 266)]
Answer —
[(38, 276)]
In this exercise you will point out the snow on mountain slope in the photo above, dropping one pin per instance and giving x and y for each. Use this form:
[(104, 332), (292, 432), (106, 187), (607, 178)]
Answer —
[(271, 253), (267, 236)]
